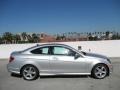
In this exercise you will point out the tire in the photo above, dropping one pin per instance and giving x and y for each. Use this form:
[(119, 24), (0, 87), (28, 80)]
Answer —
[(100, 71), (30, 72)]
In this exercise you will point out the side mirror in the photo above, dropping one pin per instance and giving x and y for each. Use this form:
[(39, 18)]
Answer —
[(83, 52), (76, 56)]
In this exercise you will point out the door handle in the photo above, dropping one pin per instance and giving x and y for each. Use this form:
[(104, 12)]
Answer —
[(55, 58)]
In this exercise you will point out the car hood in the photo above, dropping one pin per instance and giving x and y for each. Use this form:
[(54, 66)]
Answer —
[(94, 55)]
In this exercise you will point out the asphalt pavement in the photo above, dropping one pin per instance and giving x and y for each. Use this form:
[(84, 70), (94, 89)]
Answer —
[(8, 82)]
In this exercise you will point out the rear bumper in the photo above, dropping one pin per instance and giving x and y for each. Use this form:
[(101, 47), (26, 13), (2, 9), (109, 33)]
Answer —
[(11, 69)]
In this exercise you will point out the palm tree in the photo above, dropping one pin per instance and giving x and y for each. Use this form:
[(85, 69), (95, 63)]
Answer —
[(8, 37), (30, 39), (35, 38), (90, 37), (90, 34), (95, 33), (72, 33), (87, 33), (24, 36), (78, 35), (98, 33), (107, 34), (16, 38), (65, 34), (103, 33), (1, 40), (58, 37), (69, 34)]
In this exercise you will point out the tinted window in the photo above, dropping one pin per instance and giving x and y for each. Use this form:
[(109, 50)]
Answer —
[(43, 50)]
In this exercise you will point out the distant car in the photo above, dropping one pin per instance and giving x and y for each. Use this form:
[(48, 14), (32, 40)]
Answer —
[(57, 59)]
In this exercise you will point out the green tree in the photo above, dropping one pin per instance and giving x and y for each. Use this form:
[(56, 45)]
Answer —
[(116, 36), (24, 36), (63, 37), (87, 33), (8, 37), (90, 34), (1, 40), (30, 39), (35, 38), (107, 34), (95, 33), (58, 37), (90, 38), (17, 38)]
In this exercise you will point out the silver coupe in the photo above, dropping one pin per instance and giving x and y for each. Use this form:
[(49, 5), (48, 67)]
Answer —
[(57, 59)]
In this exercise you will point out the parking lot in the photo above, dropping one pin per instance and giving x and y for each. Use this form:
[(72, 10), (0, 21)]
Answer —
[(8, 82)]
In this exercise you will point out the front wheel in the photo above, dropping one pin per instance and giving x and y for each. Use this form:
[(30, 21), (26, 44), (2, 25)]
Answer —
[(30, 72), (100, 71)]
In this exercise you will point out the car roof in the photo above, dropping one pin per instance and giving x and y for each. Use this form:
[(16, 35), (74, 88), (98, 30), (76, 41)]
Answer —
[(58, 44), (47, 44), (50, 44)]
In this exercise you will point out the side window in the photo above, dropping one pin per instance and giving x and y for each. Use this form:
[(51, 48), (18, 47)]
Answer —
[(60, 51), (42, 50), (63, 51)]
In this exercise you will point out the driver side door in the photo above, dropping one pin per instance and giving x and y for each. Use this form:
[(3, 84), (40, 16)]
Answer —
[(63, 61)]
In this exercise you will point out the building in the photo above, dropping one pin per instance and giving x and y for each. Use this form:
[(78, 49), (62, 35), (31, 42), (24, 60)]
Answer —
[(47, 38)]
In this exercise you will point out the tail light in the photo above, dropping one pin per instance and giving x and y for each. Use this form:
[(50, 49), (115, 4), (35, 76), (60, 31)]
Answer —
[(11, 58)]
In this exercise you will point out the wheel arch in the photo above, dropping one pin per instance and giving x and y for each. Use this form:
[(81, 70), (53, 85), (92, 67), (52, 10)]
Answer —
[(102, 64), (27, 65)]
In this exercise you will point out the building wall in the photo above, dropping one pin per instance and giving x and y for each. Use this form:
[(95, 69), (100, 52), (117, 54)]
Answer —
[(109, 48)]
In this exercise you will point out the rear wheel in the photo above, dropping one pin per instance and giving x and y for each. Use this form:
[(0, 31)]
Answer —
[(100, 71), (29, 72)]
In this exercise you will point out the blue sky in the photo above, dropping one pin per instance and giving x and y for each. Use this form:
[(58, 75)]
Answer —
[(59, 16)]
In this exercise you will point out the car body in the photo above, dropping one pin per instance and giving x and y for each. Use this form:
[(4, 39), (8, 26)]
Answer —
[(57, 59)]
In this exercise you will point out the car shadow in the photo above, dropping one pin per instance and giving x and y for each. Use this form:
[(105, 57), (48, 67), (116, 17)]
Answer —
[(16, 75), (55, 76)]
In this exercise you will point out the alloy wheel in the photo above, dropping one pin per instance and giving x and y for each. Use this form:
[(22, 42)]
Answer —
[(29, 72)]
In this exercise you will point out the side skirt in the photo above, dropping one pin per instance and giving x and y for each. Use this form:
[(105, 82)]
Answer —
[(47, 74)]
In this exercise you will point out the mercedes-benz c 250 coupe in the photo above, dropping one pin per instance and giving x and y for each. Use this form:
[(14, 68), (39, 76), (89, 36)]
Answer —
[(57, 59)]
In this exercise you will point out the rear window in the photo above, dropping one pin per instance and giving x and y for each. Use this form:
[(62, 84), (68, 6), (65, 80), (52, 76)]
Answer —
[(42, 50)]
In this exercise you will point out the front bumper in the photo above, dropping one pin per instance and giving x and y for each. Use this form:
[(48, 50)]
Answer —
[(110, 68)]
